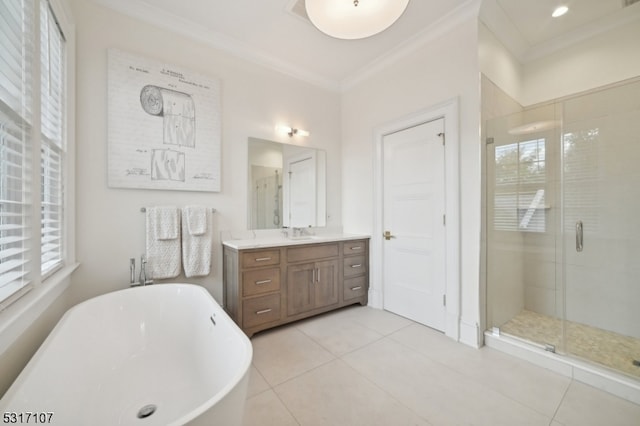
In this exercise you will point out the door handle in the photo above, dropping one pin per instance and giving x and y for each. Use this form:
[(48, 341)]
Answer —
[(387, 235), (579, 236)]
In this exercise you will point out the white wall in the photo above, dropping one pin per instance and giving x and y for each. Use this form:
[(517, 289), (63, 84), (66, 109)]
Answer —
[(110, 226), (499, 66), (607, 58), (442, 69)]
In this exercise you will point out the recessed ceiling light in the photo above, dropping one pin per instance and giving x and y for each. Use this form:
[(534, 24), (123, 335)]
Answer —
[(559, 11)]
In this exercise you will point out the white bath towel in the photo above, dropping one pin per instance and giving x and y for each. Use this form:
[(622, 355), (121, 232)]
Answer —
[(163, 242), (196, 247)]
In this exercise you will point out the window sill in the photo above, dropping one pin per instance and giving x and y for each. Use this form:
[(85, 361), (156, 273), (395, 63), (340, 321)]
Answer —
[(17, 317)]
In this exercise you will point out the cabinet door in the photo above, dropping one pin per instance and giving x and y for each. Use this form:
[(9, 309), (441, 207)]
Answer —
[(300, 291), (326, 285)]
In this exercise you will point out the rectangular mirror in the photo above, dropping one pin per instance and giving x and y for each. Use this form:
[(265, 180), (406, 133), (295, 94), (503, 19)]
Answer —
[(286, 185)]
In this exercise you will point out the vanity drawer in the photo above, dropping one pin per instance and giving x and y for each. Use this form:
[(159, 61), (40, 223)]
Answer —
[(260, 310), (260, 281), (313, 252), (353, 247), (254, 259), (354, 265), (355, 287)]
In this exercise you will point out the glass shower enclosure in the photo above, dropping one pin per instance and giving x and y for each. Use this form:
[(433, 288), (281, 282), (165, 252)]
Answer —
[(562, 185)]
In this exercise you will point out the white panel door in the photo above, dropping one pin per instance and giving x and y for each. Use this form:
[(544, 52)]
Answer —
[(413, 214)]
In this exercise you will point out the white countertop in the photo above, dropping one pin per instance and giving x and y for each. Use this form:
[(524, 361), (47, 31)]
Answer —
[(251, 243)]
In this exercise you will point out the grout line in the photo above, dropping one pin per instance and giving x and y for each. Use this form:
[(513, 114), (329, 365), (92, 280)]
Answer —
[(564, 395), (295, 419), (377, 386), (478, 381)]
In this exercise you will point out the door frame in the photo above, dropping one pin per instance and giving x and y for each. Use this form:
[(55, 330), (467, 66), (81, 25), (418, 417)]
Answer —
[(448, 111)]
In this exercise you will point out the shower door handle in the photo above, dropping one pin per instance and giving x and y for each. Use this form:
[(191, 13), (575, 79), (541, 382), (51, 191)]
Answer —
[(579, 236)]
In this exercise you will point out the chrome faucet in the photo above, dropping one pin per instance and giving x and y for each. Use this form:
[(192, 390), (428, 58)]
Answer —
[(142, 278), (132, 271)]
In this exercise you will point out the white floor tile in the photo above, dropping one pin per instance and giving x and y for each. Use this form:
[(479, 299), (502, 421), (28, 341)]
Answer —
[(363, 366), (266, 409), (533, 386), (257, 383), (584, 405), (285, 353), (334, 394), (381, 321), (339, 335), (435, 392)]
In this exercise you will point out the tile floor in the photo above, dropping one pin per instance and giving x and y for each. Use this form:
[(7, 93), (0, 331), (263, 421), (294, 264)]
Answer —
[(363, 366)]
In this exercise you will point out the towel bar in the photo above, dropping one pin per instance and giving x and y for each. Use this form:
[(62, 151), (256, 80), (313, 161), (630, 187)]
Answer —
[(144, 209)]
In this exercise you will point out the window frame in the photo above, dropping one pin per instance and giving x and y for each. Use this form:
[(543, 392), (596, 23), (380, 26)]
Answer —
[(19, 310)]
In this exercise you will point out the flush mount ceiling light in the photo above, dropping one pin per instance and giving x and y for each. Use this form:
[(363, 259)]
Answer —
[(354, 19), (559, 11)]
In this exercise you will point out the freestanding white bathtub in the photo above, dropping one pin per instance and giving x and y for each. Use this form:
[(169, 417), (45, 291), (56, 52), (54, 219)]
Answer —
[(165, 354)]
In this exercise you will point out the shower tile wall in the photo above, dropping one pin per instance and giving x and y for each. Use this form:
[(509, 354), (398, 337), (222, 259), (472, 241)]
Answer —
[(602, 281)]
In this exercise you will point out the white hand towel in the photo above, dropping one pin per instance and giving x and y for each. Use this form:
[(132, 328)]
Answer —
[(164, 220), (196, 218), (196, 248), (163, 252)]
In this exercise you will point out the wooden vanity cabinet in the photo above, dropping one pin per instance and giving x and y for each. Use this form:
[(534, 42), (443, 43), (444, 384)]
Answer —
[(264, 288), (311, 286)]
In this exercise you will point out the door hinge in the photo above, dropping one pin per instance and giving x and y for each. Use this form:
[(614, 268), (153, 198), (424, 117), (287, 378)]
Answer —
[(444, 220), (442, 136), (489, 141), (444, 300)]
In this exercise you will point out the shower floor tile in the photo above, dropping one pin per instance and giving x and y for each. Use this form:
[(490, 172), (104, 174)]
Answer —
[(604, 347)]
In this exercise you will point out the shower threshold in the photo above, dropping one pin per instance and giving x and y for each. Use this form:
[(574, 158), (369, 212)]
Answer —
[(603, 378)]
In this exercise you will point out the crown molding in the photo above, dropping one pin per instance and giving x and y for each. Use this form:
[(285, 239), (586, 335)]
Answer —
[(494, 17), (620, 18), (151, 14), (464, 12)]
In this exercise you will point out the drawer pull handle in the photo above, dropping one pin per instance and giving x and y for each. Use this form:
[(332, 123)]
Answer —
[(264, 311), (356, 265), (356, 288), (261, 282), (356, 248), (262, 259)]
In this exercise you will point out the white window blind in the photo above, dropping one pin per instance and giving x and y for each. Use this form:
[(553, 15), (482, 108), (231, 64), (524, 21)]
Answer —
[(16, 60), (520, 181), (52, 148), (20, 89)]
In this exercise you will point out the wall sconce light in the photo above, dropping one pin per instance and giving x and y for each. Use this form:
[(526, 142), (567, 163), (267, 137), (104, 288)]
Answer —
[(292, 131)]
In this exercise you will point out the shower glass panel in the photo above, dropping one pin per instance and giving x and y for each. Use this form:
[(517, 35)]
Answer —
[(601, 216), (563, 226), (524, 296)]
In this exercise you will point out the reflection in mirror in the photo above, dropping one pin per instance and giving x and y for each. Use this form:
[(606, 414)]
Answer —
[(287, 185)]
